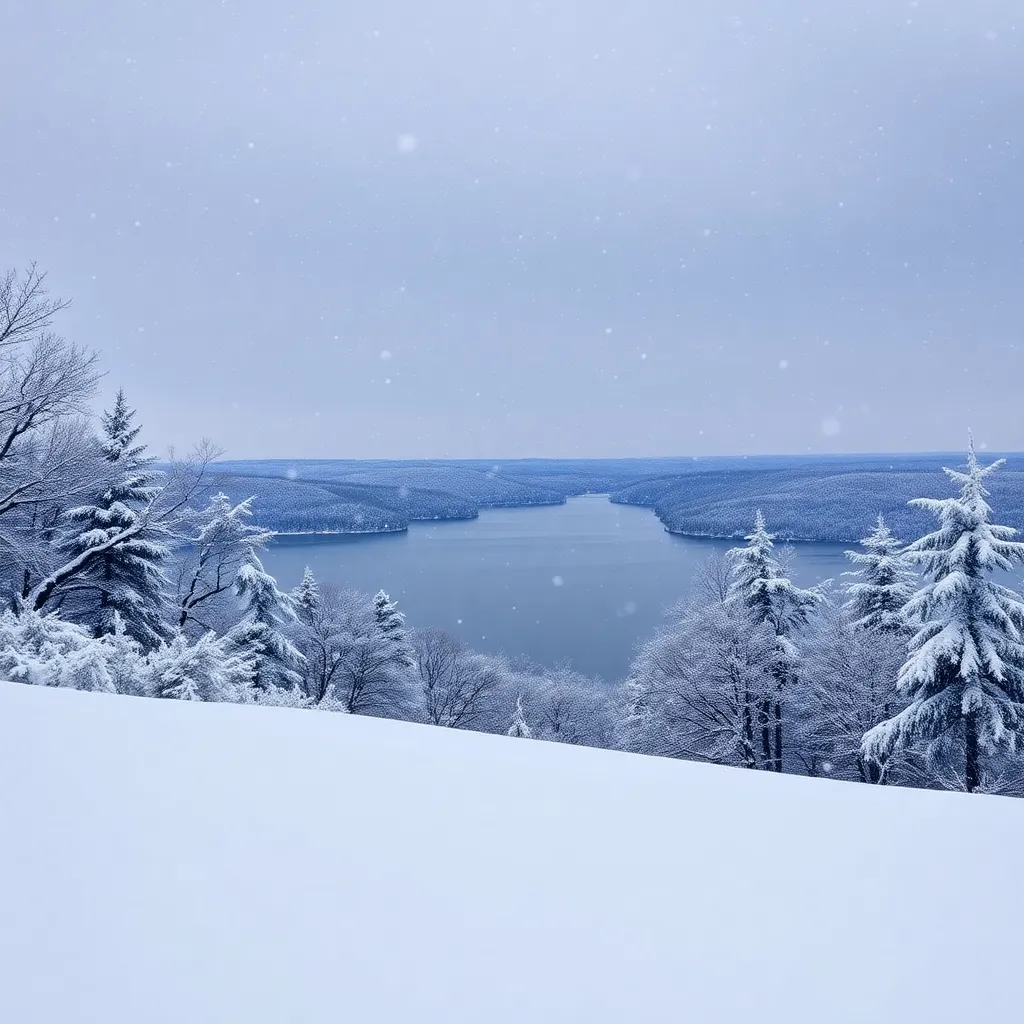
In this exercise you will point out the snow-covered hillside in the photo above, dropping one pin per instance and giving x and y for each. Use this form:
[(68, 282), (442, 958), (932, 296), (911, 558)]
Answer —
[(164, 861)]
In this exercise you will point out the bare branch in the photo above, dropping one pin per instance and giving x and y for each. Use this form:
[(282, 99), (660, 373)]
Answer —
[(25, 306)]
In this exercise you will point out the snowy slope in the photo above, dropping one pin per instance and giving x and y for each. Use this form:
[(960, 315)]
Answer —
[(173, 862)]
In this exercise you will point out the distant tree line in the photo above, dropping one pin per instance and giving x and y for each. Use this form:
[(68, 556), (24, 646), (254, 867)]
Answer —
[(121, 578)]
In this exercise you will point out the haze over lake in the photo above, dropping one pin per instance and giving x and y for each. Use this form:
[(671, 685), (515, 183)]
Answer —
[(584, 581)]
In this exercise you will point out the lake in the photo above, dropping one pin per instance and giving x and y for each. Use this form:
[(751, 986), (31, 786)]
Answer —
[(583, 582)]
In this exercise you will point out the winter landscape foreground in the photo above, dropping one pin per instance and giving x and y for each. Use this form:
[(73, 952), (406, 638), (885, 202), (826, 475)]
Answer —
[(170, 861)]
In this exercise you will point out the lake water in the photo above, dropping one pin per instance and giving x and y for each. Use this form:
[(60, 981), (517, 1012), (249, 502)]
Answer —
[(584, 581)]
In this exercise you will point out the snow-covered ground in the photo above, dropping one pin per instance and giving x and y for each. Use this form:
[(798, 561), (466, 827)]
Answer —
[(173, 862)]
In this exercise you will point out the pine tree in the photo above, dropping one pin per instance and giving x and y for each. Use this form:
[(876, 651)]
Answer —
[(964, 676), (391, 624), (127, 581), (885, 582), (307, 598), (759, 583), (46, 650), (261, 631), (205, 670), (634, 716), (519, 728)]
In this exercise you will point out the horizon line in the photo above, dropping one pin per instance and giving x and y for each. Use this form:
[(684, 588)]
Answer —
[(627, 458)]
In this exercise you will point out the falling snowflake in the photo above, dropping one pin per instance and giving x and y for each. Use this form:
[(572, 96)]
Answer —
[(385, 355), (557, 581), (407, 143), (783, 363), (830, 426)]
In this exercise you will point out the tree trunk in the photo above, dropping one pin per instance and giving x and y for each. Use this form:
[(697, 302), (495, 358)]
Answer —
[(972, 768), (777, 711), (750, 752), (764, 720)]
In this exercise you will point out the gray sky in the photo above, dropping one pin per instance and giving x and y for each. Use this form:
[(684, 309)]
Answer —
[(427, 229)]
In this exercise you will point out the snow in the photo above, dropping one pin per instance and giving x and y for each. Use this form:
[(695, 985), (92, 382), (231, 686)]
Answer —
[(166, 861)]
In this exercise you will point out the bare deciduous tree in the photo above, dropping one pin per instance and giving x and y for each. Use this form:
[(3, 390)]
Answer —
[(322, 637), (25, 306), (459, 685), (705, 678), (846, 685), (369, 673), (47, 459), (570, 707)]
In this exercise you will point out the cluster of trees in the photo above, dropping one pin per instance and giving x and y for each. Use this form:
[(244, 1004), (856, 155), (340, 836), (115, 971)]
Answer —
[(124, 578), (890, 677)]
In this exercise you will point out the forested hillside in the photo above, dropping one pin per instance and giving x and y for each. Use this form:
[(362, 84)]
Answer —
[(825, 498), (814, 502)]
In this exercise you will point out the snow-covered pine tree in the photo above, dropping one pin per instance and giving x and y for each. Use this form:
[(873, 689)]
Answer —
[(208, 669), (964, 676), (883, 584), (47, 650), (306, 598), (262, 630), (391, 624), (633, 720), (759, 584), (519, 728), (128, 580)]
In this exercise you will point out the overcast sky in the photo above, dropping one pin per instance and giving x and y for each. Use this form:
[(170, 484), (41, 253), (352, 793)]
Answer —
[(468, 229)]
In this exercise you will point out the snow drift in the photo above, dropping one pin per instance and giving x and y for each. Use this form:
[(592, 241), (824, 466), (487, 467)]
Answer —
[(170, 861)]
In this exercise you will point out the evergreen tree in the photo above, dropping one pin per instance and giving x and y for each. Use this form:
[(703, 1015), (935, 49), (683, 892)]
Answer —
[(46, 650), (307, 598), (634, 716), (261, 631), (885, 582), (128, 580), (760, 585), (391, 624), (519, 728), (205, 670), (964, 676)]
